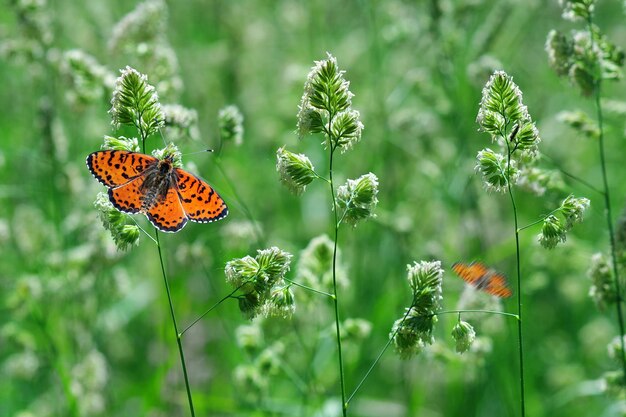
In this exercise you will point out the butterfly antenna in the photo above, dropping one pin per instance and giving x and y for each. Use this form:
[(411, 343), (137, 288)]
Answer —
[(202, 151), (162, 137)]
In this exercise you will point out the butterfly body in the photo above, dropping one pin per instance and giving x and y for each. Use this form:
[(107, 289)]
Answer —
[(158, 179), (167, 195), (483, 278)]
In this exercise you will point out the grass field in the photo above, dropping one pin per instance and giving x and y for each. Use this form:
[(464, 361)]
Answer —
[(86, 328)]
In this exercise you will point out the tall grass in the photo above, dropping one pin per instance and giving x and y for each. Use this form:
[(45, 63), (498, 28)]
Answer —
[(83, 323)]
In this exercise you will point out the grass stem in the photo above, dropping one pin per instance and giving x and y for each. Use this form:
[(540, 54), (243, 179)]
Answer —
[(500, 313), (201, 316), (607, 199), (572, 176), (344, 404), (309, 288), (380, 355), (609, 223), (178, 335), (519, 287)]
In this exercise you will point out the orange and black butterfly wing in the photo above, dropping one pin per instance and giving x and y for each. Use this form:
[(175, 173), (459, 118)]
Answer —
[(199, 200), (168, 215), (470, 273), (128, 197), (114, 168), (497, 285)]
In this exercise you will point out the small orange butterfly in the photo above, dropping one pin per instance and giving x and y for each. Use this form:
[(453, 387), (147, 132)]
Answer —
[(168, 196), (483, 278)]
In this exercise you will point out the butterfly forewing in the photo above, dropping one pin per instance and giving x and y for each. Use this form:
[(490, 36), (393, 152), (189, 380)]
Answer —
[(114, 168), (199, 200), (483, 278), (470, 273)]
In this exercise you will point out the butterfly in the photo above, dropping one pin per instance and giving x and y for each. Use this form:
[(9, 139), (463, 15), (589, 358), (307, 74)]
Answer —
[(483, 278), (167, 195)]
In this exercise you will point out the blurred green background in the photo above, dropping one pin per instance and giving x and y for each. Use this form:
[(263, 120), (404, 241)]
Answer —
[(85, 329)]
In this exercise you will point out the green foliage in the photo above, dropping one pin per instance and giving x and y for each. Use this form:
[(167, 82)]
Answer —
[(412, 332), (358, 198), (581, 122), (464, 335), (602, 290), (261, 282), (295, 170), (88, 80), (85, 329), (496, 173), (179, 122), (501, 104), (170, 152), (587, 56), (552, 232), (315, 267), (121, 143), (230, 122), (124, 234), (555, 228), (326, 106), (135, 103)]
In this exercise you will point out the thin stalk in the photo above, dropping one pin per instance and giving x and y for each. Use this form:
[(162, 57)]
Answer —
[(309, 288), (609, 222), (144, 231), (572, 176), (226, 297), (143, 136), (519, 284), (372, 366), (501, 313), (607, 202), (384, 349), (539, 221), (178, 335), (380, 355), (344, 404), (293, 376)]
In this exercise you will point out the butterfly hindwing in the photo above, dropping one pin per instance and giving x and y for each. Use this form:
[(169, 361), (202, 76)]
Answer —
[(128, 197), (115, 167), (168, 215), (497, 286), (199, 200)]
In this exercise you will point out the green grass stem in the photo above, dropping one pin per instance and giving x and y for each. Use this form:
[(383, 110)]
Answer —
[(519, 286), (178, 335), (609, 224), (607, 202), (344, 404)]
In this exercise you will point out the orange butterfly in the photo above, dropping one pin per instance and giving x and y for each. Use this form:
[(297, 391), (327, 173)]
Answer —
[(483, 278), (168, 196)]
